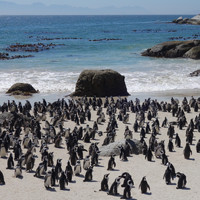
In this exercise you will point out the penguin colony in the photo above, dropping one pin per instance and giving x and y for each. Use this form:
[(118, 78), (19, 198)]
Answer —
[(28, 131)]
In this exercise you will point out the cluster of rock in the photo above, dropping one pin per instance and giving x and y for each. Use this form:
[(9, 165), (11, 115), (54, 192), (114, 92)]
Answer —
[(113, 148), (6, 56), (60, 38), (195, 73), (194, 20), (175, 49), (104, 39), (100, 83), (22, 89), (30, 47)]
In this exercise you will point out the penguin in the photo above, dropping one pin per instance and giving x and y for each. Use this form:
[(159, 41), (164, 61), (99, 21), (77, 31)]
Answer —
[(18, 171), (127, 190), (111, 163), (198, 146), (164, 159), (69, 171), (167, 176), (10, 162), (170, 145), (62, 181), (149, 155), (53, 177), (177, 140), (2, 181), (73, 156), (123, 155), (126, 177), (30, 163), (80, 150), (48, 180), (144, 185), (88, 174), (58, 168), (77, 168), (41, 169), (114, 186), (181, 181), (104, 183), (172, 169), (187, 151), (86, 162)]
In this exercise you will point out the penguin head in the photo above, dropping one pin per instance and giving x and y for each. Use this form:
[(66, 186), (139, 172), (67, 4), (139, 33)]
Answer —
[(106, 176), (144, 178), (118, 180), (130, 183)]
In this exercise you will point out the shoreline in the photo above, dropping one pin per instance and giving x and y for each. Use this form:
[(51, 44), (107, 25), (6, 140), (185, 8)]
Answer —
[(159, 95)]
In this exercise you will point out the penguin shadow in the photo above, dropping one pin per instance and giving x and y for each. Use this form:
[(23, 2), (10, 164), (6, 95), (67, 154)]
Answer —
[(116, 170), (148, 193), (99, 166), (186, 188), (80, 175), (19, 177), (193, 159), (66, 189), (4, 157), (51, 189), (172, 184), (31, 172), (61, 147), (75, 181)]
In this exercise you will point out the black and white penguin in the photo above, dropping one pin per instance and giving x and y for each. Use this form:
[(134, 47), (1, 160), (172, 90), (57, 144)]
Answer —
[(104, 183), (69, 171), (30, 163), (2, 181), (88, 174), (73, 156), (170, 145), (114, 186), (127, 190), (181, 181), (10, 162), (53, 177), (58, 168), (41, 169), (164, 159), (144, 185), (126, 177), (123, 155), (86, 162), (167, 176), (198, 146), (80, 150), (62, 181), (48, 180), (187, 151), (177, 140), (77, 168), (149, 155), (111, 163)]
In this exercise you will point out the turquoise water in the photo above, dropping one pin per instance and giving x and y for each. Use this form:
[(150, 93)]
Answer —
[(56, 70)]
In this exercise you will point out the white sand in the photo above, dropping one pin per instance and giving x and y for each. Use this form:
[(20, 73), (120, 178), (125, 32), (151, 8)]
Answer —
[(30, 187)]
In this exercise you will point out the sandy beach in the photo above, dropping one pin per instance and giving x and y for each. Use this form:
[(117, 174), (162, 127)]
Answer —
[(30, 187)]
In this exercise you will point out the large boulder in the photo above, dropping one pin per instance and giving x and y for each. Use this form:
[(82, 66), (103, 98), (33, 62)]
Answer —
[(100, 83), (21, 89), (195, 73), (175, 49), (113, 148)]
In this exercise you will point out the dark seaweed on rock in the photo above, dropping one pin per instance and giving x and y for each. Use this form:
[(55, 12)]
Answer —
[(6, 56), (104, 39)]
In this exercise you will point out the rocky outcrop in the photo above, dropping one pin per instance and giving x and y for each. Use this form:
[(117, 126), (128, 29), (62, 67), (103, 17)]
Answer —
[(113, 148), (175, 49), (100, 83), (195, 73), (194, 20), (6, 56), (21, 89)]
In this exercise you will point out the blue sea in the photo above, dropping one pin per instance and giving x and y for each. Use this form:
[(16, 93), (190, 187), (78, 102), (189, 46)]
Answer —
[(95, 42)]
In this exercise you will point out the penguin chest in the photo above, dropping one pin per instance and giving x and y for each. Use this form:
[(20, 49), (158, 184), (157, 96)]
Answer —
[(86, 165), (18, 172), (3, 152), (77, 169), (47, 183)]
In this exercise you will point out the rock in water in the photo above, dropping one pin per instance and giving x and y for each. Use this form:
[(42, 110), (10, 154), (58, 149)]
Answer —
[(100, 83), (21, 89), (175, 49)]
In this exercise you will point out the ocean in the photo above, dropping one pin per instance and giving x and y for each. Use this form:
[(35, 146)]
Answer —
[(95, 42)]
